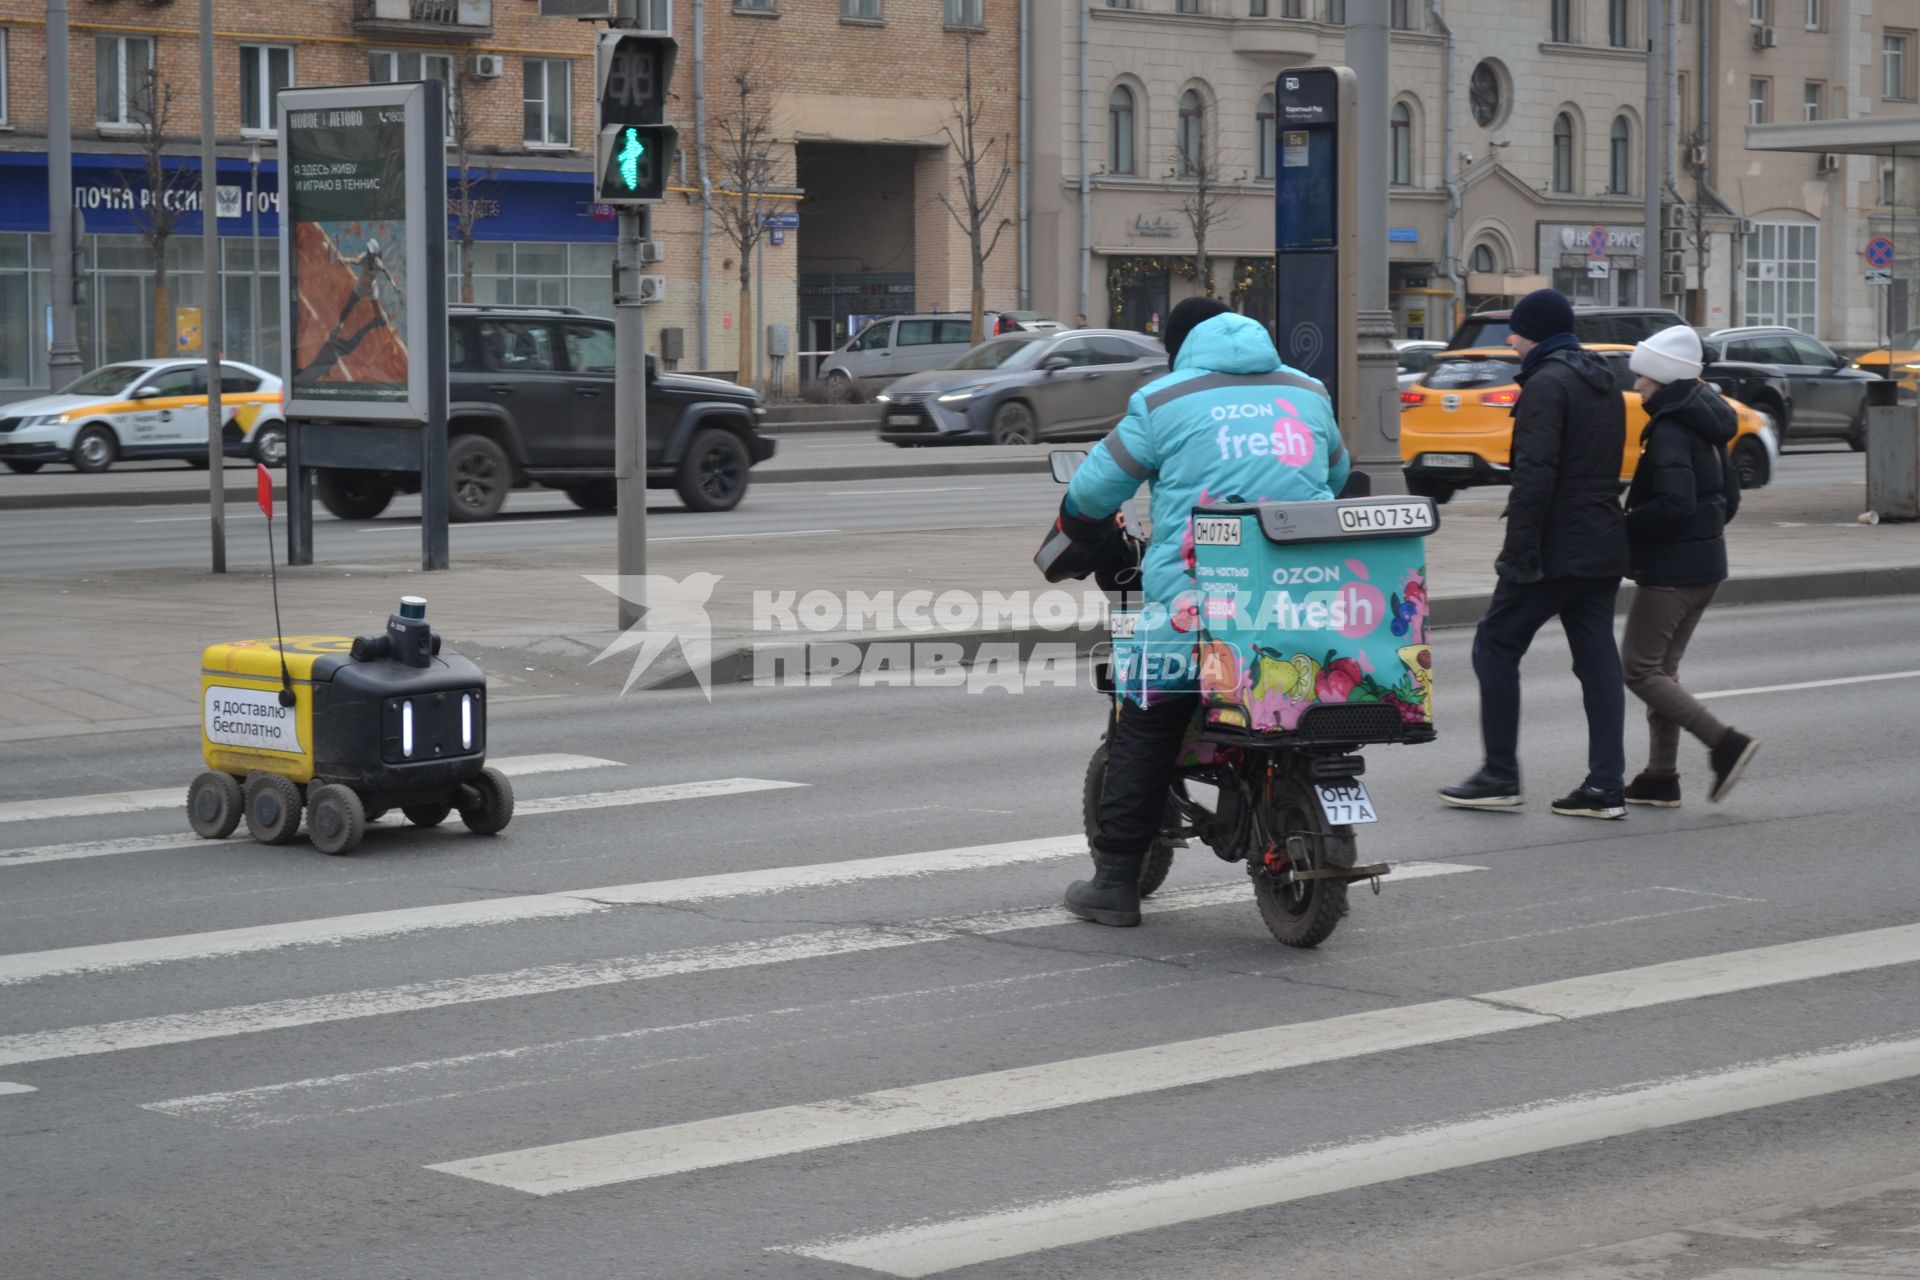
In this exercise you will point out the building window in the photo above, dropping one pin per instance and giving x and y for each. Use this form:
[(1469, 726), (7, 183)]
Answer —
[(966, 13), (1620, 158), (1759, 101), (1186, 6), (124, 74), (547, 102), (1482, 261), (1562, 21), (1120, 130), (1193, 118), (1400, 133), (265, 69), (1618, 34), (1337, 13), (1896, 66), (1889, 187), (1816, 15), (1761, 13), (1563, 153), (753, 6), (861, 10), (1783, 260), (1400, 15), (3, 75), (387, 65), (1811, 104), (1265, 141)]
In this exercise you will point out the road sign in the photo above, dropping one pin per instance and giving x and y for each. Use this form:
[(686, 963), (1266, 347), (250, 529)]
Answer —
[(782, 221), (776, 235), (1880, 277), (1597, 243), (1599, 269), (633, 163), (631, 75), (1879, 252)]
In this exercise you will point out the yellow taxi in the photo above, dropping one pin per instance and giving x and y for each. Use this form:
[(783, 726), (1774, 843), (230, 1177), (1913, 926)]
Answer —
[(1903, 355), (146, 409), (1456, 423)]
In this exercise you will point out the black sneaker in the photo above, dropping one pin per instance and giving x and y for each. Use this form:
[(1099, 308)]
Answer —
[(1483, 791), (1661, 790), (1730, 760), (1586, 802)]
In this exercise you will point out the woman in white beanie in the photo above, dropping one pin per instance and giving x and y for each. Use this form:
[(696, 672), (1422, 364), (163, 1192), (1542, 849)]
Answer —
[(1683, 493)]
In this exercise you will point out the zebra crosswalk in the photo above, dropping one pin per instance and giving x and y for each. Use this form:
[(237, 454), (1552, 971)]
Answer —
[(894, 1054)]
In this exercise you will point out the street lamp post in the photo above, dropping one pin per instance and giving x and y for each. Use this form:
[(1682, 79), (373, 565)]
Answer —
[(253, 296)]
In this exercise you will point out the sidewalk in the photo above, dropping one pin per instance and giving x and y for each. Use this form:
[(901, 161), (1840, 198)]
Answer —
[(809, 457), (121, 650)]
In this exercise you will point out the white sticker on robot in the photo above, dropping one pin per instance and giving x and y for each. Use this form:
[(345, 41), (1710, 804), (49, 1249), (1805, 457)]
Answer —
[(250, 718)]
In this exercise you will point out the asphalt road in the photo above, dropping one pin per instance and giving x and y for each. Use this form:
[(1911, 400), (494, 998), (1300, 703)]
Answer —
[(571, 1051), (70, 540)]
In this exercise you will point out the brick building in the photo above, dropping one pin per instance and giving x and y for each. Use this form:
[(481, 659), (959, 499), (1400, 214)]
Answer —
[(859, 91)]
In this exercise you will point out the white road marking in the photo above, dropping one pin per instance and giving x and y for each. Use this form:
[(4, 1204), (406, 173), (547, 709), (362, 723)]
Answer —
[(722, 537), (1810, 684), (184, 1028), (398, 527), (1491, 1136), (114, 802), (16, 1088), (861, 493), (1046, 1086), (199, 519)]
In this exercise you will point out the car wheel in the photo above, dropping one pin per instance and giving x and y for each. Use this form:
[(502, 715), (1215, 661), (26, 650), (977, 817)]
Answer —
[(840, 385), (1750, 463), (351, 495), (600, 496), (1857, 431), (270, 445), (94, 449), (713, 475), (1013, 423), (478, 477), (23, 468)]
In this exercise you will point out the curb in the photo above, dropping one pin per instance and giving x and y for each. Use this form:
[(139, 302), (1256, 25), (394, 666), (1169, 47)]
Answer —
[(242, 492), (736, 665)]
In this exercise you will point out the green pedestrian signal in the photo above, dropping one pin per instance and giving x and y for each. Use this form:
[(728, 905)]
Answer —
[(633, 163)]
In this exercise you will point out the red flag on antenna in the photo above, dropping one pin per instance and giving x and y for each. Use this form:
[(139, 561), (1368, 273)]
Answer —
[(264, 489)]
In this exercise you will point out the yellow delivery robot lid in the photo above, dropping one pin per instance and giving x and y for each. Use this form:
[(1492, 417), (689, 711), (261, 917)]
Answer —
[(260, 659)]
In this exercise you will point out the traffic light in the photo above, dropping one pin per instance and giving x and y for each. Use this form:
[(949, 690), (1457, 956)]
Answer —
[(632, 73), (634, 161)]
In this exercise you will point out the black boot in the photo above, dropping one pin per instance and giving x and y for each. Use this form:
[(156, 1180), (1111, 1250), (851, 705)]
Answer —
[(1113, 895)]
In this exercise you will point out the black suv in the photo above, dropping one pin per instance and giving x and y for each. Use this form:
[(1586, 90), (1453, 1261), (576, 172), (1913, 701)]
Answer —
[(531, 400), (1626, 325), (1808, 390)]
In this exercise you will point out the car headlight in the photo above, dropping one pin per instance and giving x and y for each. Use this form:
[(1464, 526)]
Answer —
[(958, 394), (44, 420), (883, 398), (1912, 368)]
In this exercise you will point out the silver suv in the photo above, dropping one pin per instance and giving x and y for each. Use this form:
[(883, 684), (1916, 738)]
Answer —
[(896, 346)]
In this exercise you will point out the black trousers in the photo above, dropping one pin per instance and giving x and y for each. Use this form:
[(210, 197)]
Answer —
[(1143, 750), (1516, 613)]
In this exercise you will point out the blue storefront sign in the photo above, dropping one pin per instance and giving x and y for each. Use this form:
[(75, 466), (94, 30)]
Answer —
[(1403, 235), (110, 190)]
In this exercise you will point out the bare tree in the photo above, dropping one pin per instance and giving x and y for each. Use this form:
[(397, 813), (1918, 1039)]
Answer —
[(983, 177), (158, 209), (1206, 200), (743, 154), (466, 205)]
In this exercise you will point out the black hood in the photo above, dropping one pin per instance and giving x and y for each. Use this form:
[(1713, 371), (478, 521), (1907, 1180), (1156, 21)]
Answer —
[(1592, 369), (1697, 407)]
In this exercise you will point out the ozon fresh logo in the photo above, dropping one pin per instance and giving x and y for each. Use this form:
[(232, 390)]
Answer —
[(1288, 440)]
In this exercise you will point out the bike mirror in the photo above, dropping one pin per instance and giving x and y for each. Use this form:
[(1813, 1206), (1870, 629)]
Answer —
[(1065, 462)]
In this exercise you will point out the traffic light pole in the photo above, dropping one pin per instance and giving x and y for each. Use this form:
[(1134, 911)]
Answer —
[(630, 412)]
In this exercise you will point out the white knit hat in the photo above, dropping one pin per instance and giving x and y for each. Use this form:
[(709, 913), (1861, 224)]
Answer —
[(1671, 355)]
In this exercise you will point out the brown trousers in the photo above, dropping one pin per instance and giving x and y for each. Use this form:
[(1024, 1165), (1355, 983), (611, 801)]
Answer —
[(1659, 625)]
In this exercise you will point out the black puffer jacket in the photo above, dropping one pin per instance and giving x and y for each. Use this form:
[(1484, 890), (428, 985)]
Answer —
[(1569, 432), (1685, 489)]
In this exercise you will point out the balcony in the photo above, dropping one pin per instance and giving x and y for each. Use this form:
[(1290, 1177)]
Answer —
[(453, 19), (1265, 40)]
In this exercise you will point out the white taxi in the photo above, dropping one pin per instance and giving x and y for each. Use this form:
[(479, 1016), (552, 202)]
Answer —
[(145, 409)]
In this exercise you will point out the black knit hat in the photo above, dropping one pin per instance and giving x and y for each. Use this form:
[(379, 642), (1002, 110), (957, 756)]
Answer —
[(1183, 319), (1542, 314)]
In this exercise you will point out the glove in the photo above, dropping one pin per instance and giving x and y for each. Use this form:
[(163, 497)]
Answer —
[(1080, 528), (1518, 575)]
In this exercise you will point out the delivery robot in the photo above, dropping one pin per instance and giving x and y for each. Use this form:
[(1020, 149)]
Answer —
[(343, 729)]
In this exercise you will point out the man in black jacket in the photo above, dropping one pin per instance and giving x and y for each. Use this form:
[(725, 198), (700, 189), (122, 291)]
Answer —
[(1684, 492), (1564, 554)]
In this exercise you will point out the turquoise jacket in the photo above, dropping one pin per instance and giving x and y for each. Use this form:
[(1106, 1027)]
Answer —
[(1231, 423)]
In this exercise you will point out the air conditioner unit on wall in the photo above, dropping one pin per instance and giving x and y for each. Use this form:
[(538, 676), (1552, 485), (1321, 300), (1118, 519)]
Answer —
[(1746, 226), (1673, 263), (488, 66), (1830, 162), (1697, 155), (1676, 217), (1673, 240), (1763, 37)]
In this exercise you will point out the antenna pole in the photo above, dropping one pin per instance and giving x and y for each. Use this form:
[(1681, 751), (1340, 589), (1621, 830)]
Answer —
[(279, 632)]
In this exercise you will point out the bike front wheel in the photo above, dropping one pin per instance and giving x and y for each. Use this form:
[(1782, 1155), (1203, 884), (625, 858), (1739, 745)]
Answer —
[(1301, 913)]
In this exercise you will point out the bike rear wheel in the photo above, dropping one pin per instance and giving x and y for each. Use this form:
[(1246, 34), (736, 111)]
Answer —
[(1301, 913), (1153, 873)]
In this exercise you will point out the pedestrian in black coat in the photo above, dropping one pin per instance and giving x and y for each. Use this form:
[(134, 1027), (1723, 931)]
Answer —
[(1563, 556), (1684, 492)]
